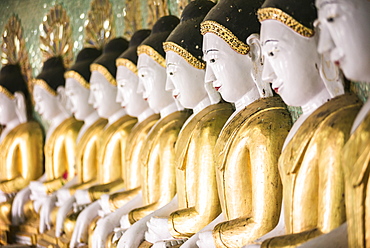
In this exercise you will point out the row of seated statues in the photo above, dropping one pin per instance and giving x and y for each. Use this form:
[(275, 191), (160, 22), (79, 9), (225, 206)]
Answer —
[(177, 138)]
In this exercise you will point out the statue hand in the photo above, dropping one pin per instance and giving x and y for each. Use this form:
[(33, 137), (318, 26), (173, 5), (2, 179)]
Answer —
[(125, 222), (82, 197), (63, 195), (104, 227), (206, 240), (157, 230), (83, 221), (104, 204), (38, 190), (168, 243), (47, 207), (4, 197), (17, 208), (62, 215)]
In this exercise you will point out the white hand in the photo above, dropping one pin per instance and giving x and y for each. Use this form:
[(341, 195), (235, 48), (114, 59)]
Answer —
[(63, 195), (104, 204), (17, 207), (105, 226), (3, 197), (206, 240), (82, 197), (38, 190), (47, 207), (157, 230), (83, 221), (62, 215)]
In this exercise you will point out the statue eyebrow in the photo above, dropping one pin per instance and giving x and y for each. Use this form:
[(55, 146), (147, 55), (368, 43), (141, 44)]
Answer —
[(211, 50), (264, 43)]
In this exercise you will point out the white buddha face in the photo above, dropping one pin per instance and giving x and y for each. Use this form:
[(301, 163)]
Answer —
[(291, 63), (127, 92), (185, 82), (7, 109), (152, 81), (345, 34), (229, 71), (46, 104), (103, 95), (78, 98)]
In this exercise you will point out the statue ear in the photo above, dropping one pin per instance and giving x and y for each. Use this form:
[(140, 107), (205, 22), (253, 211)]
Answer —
[(255, 53), (20, 106), (63, 99), (331, 76)]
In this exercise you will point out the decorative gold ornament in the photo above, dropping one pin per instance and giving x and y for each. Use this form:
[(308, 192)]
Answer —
[(151, 53), (279, 15), (56, 35), (156, 9), (104, 71), (99, 26), (6, 92), (78, 77), (127, 63), (44, 85), (171, 46), (224, 33), (132, 18)]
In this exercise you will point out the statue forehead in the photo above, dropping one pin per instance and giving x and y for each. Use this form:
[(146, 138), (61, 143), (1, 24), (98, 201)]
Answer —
[(97, 78), (213, 41), (124, 73), (276, 31), (72, 83)]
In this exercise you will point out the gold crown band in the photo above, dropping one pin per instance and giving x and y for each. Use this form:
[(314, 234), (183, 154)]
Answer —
[(224, 33), (44, 85), (171, 46), (78, 77), (151, 53), (6, 92), (127, 63), (104, 71), (279, 15)]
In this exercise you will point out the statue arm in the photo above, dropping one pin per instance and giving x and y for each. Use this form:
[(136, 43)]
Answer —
[(119, 199), (97, 191), (83, 185)]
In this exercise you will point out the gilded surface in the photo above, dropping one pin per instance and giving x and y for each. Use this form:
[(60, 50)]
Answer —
[(156, 9), (248, 180), (151, 52), (75, 75), (158, 164), (21, 157), (60, 150), (311, 173), (132, 18), (136, 141), (193, 61), (104, 71), (87, 155), (355, 163), (195, 175), (112, 163), (127, 63)]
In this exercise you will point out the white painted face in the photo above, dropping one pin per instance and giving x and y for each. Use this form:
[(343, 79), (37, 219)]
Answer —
[(103, 95), (78, 97), (7, 109), (127, 93), (345, 34), (229, 71), (152, 82), (46, 104), (291, 63), (185, 82)]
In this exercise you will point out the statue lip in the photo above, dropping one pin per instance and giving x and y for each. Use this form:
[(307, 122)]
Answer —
[(176, 96), (337, 63), (146, 99), (217, 88), (276, 90)]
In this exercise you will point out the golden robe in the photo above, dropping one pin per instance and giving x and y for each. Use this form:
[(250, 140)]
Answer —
[(196, 175), (249, 184), (158, 164), (356, 166), (311, 173)]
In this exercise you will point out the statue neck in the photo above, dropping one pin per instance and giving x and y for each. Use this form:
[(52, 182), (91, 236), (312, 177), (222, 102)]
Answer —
[(247, 99), (117, 115), (169, 109), (88, 121), (9, 127), (55, 122), (201, 105), (314, 103), (145, 114), (365, 110)]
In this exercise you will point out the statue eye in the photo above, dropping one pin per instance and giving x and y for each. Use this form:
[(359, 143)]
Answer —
[(271, 54), (212, 60), (171, 73), (330, 19)]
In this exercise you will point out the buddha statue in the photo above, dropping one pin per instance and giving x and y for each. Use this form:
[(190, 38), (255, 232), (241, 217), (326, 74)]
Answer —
[(310, 163), (249, 145), (342, 23), (113, 139), (86, 160), (197, 197), (21, 143)]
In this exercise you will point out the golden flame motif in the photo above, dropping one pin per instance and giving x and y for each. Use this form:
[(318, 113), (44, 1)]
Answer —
[(132, 18), (56, 35), (156, 9), (99, 26)]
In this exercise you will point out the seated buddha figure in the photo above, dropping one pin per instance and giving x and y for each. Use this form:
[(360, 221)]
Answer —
[(344, 23), (59, 149), (77, 92), (197, 198), (21, 142), (310, 163), (249, 145), (113, 139)]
